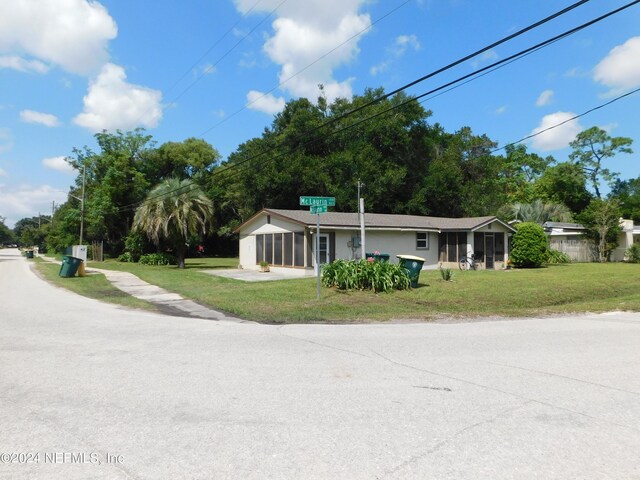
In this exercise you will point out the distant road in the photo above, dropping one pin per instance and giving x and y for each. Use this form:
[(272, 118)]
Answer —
[(94, 391)]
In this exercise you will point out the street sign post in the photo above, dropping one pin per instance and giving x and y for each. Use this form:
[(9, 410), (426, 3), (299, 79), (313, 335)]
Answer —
[(318, 207), (318, 201)]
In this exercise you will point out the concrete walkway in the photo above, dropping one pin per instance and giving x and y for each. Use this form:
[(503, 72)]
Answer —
[(167, 302)]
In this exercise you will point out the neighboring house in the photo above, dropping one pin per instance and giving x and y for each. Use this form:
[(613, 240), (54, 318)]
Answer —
[(567, 238), (286, 238)]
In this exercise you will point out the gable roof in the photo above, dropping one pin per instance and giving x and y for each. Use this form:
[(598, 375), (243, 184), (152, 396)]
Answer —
[(381, 221)]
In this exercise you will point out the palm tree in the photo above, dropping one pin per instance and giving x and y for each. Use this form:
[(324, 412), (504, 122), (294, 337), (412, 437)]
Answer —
[(174, 211), (539, 212)]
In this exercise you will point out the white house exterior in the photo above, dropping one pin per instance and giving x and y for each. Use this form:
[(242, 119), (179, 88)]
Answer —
[(286, 238)]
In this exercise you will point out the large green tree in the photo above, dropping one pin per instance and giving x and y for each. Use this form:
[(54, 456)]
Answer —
[(591, 148), (627, 192), (601, 220), (564, 183), (6, 235), (174, 212)]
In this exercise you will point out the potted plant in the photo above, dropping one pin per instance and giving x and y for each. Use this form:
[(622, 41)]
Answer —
[(264, 266)]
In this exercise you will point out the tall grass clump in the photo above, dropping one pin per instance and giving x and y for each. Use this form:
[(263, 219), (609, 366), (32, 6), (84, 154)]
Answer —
[(365, 275)]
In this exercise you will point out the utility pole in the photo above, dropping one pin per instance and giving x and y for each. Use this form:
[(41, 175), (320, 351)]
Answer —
[(361, 219), (84, 174), (84, 171), (53, 211)]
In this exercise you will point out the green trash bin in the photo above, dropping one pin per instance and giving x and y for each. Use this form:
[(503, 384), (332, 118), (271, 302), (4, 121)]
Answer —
[(29, 253), (413, 265), (69, 266)]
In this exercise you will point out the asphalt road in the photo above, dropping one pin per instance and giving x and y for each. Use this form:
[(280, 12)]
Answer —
[(93, 391)]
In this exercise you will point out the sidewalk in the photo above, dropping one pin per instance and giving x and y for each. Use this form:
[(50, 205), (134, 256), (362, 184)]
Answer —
[(167, 302)]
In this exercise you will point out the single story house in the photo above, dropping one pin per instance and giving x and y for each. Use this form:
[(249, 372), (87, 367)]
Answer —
[(286, 238), (567, 238)]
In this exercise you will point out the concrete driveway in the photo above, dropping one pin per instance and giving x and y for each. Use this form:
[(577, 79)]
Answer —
[(99, 392)]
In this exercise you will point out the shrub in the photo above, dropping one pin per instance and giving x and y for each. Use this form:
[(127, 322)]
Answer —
[(556, 257), (365, 275), (633, 253), (158, 259), (530, 246), (126, 257), (134, 244), (446, 274)]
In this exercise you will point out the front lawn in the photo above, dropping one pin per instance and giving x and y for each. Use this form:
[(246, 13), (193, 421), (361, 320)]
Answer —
[(545, 291)]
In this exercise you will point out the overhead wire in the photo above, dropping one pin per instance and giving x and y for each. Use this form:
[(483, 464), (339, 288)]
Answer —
[(302, 70), (469, 77), (215, 44), (486, 70)]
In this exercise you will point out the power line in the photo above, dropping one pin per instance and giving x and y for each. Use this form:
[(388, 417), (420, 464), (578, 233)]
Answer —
[(214, 45), (487, 70), (483, 71), (433, 73), (575, 117), (322, 57), (210, 68)]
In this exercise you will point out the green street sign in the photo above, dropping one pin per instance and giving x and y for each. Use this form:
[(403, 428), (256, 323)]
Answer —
[(318, 201), (318, 209)]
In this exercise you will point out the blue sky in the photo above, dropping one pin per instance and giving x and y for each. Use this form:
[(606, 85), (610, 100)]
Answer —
[(220, 69)]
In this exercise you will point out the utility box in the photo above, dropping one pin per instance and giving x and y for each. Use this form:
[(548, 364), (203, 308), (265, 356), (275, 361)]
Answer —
[(79, 251)]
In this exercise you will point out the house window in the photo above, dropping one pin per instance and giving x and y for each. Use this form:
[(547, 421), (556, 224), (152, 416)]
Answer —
[(452, 246), (422, 241)]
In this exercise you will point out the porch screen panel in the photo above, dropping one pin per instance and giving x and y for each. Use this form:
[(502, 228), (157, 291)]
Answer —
[(478, 246), (462, 245), (287, 242), (442, 247), (499, 246), (259, 248), (451, 247), (298, 255), (268, 248), (277, 249)]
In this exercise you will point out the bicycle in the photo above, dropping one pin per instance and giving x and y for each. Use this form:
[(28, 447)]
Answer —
[(468, 262)]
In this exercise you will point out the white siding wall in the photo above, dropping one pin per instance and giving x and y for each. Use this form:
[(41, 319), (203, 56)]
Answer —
[(390, 242)]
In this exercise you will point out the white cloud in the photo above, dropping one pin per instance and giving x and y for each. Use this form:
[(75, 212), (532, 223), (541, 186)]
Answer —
[(620, 69), (485, 57), (70, 33), (59, 164), (500, 110), (400, 46), (112, 103), (544, 98), (20, 64), (3, 172), (558, 137), (46, 119), (206, 69), (22, 201), (404, 42), (306, 31), (6, 140), (265, 103)]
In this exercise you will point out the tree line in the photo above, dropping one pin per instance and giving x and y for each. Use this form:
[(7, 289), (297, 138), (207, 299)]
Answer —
[(407, 164)]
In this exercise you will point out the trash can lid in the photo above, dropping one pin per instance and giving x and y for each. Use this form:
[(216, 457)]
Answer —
[(411, 257)]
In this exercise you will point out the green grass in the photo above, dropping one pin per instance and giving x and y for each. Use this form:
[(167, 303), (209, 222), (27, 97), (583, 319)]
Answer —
[(544, 291), (92, 286)]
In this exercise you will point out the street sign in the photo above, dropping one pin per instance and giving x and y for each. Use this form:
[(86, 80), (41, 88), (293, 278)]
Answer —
[(318, 201), (318, 209)]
